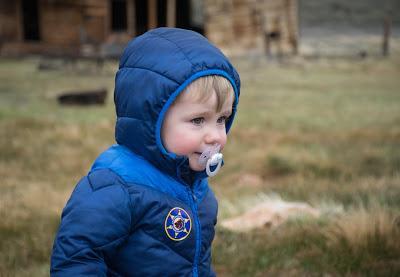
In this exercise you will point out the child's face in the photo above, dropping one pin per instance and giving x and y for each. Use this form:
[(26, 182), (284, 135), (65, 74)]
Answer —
[(191, 125)]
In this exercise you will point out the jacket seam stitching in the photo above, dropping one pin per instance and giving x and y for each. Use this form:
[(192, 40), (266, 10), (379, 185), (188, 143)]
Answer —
[(125, 187), (96, 248), (177, 46), (144, 68), (105, 186), (154, 189), (118, 181), (165, 244), (116, 239)]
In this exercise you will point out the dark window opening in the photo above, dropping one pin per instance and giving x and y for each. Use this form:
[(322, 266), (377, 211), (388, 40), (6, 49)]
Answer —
[(185, 14), (182, 14), (118, 15), (188, 15), (161, 13), (30, 15), (141, 16)]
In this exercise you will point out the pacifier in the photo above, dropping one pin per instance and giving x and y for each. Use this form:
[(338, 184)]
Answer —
[(211, 157)]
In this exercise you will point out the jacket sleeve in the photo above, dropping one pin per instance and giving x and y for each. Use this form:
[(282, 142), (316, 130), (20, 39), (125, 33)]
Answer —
[(95, 221)]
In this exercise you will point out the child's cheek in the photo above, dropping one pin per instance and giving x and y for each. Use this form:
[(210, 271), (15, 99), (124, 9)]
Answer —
[(187, 143)]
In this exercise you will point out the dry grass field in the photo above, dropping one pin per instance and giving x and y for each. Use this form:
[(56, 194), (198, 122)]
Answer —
[(326, 132)]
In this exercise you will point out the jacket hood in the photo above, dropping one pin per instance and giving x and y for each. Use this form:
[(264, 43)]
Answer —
[(154, 68)]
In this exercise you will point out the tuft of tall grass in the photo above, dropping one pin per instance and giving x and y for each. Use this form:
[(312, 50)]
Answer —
[(362, 241), (359, 242)]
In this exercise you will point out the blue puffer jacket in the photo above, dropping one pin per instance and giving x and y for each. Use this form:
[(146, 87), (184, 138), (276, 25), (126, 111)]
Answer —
[(141, 211)]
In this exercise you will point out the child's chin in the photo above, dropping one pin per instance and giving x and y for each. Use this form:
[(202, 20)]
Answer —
[(196, 166)]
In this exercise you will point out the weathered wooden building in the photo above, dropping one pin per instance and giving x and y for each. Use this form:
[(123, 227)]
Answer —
[(239, 26), (83, 27)]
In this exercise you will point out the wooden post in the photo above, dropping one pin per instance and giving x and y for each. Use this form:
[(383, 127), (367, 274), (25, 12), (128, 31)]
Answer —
[(171, 13), (291, 12), (152, 14), (131, 13), (387, 25), (107, 20)]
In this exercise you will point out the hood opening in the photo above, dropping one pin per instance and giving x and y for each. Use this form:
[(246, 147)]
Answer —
[(176, 93)]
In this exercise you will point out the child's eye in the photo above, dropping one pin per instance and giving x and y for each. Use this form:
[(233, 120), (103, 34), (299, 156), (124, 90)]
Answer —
[(222, 119), (197, 120)]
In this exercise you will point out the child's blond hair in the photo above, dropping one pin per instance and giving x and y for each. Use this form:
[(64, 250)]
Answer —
[(203, 88)]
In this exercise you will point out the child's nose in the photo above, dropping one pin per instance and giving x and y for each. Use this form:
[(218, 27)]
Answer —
[(215, 135)]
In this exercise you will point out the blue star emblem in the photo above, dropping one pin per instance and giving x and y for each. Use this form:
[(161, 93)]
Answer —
[(178, 224)]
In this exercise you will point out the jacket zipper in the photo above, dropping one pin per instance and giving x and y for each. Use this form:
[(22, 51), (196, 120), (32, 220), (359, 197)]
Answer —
[(193, 205)]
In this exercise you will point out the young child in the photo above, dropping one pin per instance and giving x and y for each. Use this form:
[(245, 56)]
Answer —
[(145, 207)]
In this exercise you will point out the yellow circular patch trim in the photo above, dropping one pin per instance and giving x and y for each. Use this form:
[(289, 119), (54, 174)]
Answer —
[(176, 217)]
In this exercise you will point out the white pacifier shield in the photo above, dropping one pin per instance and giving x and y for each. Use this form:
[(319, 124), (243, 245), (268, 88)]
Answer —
[(211, 157)]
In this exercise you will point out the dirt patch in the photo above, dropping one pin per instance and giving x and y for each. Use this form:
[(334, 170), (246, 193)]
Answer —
[(269, 214)]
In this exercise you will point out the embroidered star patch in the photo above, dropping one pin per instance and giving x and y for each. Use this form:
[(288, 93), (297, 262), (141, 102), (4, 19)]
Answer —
[(178, 224)]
